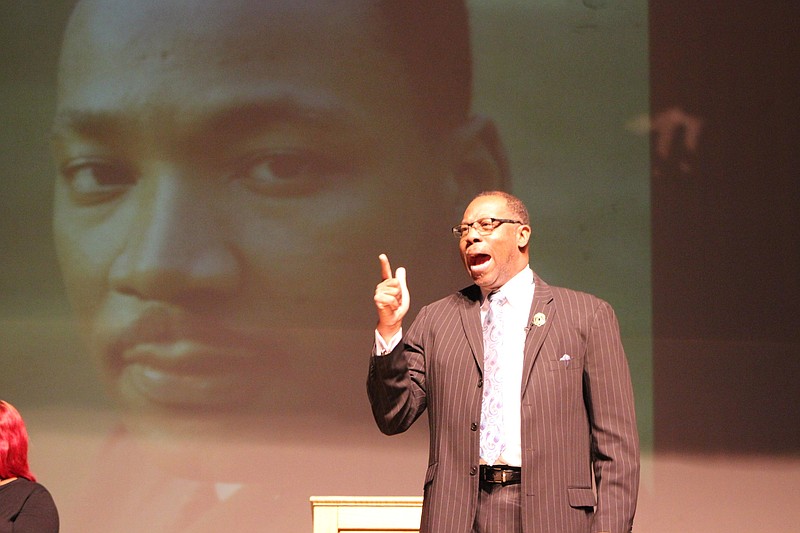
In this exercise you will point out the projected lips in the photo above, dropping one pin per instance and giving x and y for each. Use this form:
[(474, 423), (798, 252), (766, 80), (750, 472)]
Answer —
[(171, 358), (187, 372)]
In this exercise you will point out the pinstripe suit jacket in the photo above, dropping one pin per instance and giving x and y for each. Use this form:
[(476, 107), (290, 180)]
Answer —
[(580, 448)]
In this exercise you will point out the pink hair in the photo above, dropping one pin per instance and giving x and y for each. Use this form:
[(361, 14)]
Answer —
[(13, 444)]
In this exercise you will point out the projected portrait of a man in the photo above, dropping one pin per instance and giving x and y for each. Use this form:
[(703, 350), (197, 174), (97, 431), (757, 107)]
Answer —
[(227, 173)]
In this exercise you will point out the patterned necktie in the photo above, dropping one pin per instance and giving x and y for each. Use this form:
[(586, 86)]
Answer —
[(492, 405)]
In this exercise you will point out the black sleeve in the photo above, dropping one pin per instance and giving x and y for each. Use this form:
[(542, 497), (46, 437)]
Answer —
[(38, 513)]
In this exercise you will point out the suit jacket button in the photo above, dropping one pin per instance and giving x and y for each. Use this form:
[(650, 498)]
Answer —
[(473, 470), (473, 426), (480, 383)]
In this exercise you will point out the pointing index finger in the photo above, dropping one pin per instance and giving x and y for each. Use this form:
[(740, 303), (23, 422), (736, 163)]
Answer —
[(386, 268)]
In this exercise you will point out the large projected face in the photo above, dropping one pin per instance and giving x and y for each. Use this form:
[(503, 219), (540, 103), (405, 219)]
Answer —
[(228, 173)]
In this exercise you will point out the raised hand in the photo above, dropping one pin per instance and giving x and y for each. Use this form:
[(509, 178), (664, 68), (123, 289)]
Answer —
[(391, 299)]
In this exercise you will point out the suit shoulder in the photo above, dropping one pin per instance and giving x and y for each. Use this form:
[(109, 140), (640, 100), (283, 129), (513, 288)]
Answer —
[(464, 296), (566, 293), (445, 310), (578, 301)]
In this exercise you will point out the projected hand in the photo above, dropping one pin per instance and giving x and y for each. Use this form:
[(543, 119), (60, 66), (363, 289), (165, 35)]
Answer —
[(391, 299)]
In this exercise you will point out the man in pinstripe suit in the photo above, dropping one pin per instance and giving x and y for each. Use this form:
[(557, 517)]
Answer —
[(569, 451)]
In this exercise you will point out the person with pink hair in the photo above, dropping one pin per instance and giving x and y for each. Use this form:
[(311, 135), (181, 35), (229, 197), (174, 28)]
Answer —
[(25, 505)]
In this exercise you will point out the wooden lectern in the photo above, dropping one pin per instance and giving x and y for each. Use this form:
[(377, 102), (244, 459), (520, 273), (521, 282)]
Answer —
[(366, 514)]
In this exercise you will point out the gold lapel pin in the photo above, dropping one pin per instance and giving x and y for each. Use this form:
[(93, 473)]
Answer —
[(539, 319)]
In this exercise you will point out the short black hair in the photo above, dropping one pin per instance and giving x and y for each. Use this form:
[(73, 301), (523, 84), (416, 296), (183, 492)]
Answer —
[(514, 204), (432, 38)]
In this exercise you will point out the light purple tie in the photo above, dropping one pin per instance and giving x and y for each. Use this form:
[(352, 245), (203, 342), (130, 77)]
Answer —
[(492, 406)]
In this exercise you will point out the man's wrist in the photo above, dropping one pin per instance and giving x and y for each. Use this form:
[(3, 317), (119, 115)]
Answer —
[(387, 333)]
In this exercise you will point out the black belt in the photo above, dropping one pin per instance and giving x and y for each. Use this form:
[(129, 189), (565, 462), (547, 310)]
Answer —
[(501, 474)]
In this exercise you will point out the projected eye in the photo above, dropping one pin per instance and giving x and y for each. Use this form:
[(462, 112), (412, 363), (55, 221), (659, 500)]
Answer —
[(291, 173), (96, 181)]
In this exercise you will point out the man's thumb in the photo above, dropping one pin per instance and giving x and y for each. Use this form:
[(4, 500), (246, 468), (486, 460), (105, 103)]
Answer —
[(400, 274)]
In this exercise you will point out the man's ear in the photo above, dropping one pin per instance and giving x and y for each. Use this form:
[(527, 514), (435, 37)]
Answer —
[(480, 162), (524, 237)]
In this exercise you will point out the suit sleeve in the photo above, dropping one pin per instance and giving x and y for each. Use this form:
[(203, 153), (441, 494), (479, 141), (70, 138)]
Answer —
[(615, 440), (396, 382)]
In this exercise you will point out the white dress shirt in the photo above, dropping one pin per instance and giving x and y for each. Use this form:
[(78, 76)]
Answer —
[(518, 292)]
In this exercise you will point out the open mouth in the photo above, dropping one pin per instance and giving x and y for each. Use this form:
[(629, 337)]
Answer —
[(478, 262), (478, 259)]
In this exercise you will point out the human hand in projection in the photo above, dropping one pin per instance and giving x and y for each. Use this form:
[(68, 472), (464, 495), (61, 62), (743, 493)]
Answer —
[(391, 299)]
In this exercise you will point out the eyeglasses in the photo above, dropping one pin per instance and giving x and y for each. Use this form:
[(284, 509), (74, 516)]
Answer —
[(483, 226)]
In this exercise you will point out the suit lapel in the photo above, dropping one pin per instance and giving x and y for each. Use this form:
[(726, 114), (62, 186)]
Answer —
[(539, 322), (471, 321)]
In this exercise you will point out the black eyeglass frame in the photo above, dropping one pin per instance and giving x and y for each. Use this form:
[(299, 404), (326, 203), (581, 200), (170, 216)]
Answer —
[(459, 230)]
